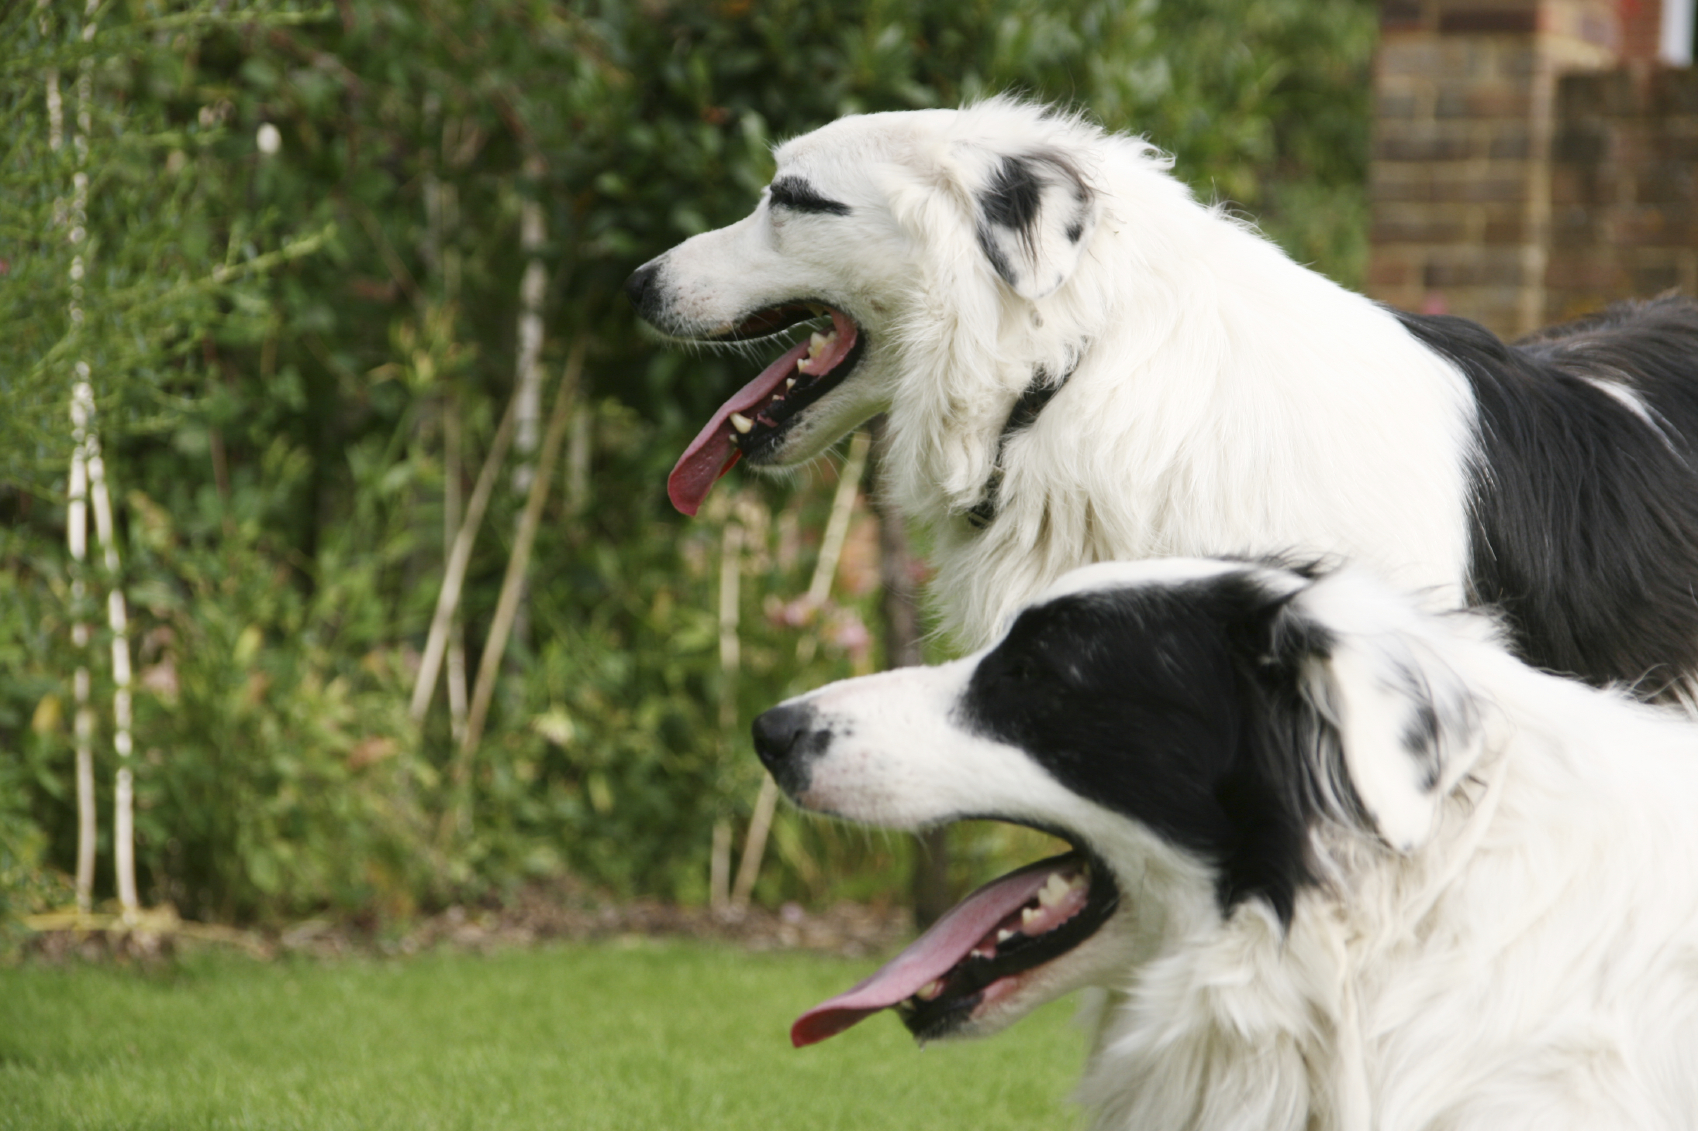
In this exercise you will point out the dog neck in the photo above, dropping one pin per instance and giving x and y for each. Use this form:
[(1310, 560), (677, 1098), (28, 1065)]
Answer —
[(1288, 1048), (1022, 416)]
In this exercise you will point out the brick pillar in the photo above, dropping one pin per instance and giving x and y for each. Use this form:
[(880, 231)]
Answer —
[(1465, 94)]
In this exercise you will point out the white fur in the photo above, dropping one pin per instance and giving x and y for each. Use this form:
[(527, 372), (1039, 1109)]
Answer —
[(1514, 945), (1222, 399)]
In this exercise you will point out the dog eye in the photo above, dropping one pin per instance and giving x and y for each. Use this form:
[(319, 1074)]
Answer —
[(797, 194)]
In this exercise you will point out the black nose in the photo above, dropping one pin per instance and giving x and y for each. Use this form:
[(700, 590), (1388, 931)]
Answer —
[(642, 292), (786, 738)]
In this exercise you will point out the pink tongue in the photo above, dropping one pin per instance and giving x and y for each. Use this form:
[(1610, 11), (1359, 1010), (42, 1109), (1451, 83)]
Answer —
[(929, 956), (711, 454)]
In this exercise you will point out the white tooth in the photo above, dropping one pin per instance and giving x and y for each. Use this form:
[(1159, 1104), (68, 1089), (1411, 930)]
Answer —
[(816, 342), (1027, 914), (1078, 883), (930, 990), (790, 382), (816, 309), (741, 422), (1053, 890), (1004, 936), (801, 366)]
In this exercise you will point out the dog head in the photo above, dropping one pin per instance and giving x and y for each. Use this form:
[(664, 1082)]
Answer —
[(905, 258), (1187, 726)]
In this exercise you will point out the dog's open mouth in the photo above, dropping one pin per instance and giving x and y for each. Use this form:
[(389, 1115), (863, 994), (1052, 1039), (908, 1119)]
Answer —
[(752, 421), (978, 952)]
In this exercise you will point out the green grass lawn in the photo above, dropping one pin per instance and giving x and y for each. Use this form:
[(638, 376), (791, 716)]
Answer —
[(654, 1035)]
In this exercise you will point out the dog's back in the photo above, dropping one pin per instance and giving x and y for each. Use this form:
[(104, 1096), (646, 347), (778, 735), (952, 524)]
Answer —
[(1585, 505)]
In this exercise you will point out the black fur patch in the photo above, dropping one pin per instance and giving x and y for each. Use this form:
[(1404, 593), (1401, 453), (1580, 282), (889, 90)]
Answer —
[(1178, 706), (1421, 740), (794, 192), (1010, 201), (1012, 197), (1585, 515)]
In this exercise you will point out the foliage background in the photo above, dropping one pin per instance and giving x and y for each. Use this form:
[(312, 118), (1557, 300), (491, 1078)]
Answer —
[(277, 341)]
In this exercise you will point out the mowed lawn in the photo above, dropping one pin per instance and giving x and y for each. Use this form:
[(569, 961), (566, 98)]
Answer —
[(669, 1035)]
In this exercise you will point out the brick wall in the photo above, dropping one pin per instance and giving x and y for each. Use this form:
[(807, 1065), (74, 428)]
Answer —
[(1624, 188), (1466, 115), (1453, 172)]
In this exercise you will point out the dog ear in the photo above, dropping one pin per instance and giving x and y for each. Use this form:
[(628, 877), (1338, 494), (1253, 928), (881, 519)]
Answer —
[(1391, 725), (1034, 215)]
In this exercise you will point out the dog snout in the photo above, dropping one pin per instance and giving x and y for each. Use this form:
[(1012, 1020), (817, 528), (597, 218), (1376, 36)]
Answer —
[(786, 739), (642, 290)]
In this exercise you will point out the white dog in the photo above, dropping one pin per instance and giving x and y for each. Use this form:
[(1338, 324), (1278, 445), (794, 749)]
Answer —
[(1082, 363), (1341, 863)]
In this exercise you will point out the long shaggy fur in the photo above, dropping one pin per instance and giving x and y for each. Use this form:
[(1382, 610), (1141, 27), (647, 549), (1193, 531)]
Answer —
[(1211, 395), (1487, 921)]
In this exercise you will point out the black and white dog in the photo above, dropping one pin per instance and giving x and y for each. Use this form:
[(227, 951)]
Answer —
[(1340, 863), (1082, 363)]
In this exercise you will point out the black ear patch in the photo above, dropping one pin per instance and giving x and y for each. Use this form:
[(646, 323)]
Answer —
[(1033, 215), (1396, 721), (1011, 200)]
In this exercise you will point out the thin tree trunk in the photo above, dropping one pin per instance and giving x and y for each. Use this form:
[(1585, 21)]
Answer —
[(837, 527), (730, 663), (76, 533), (88, 812), (454, 571), (517, 564), (527, 377), (836, 533), (440, 258), (451, 517), (754, 844), (117, 619), (730, 618), (533, 233), (899, 609)]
